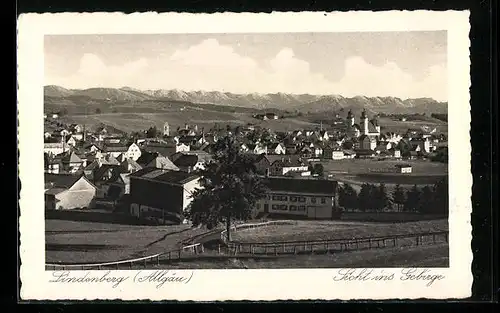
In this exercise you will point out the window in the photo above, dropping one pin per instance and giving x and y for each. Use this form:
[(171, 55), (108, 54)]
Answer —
[(258, 206), (313, 200), (274, 207), (293, 208), (323, 200), (302, 199), (302, 208), (293, 199), (275, 198), (284, 198), (283, 207)]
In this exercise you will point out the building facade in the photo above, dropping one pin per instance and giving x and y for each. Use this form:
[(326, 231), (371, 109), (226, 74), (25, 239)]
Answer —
[(160, 194), (307, 198)]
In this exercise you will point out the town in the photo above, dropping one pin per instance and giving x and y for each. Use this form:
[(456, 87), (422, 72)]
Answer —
[(152, 174)]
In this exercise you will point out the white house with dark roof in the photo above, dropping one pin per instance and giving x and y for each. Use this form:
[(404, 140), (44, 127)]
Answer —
[(310, 198), (133, 152), (68, 191)]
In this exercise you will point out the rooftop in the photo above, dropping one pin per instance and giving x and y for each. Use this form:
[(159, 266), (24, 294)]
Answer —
[(63, 181), (162, 175), (301, 185)]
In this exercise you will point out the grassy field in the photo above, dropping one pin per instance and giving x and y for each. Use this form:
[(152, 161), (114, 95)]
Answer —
[(134, 121), (359, 171), (363, 166), (88, 242), (324, 230), (422, 256)]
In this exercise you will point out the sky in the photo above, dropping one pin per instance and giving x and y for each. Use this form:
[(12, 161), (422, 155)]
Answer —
[(399, 64)]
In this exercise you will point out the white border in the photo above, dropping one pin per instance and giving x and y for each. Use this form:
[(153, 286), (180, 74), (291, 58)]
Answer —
[(210, 285)]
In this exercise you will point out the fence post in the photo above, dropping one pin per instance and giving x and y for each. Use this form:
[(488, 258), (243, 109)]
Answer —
[(202, 248), (219, 248), (394, 241), (130, 264), (275, 251), (116, 265), (179, 253), (144, 262), (417, 240), (369, 243), (158, 260), (251, 249)]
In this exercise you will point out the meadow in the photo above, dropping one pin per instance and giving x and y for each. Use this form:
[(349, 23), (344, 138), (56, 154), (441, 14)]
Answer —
[(330, 230), (88, 242)]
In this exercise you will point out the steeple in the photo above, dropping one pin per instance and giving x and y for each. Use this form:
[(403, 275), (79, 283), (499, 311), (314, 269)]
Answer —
[(363, 114), (350, 118), (349, 115)]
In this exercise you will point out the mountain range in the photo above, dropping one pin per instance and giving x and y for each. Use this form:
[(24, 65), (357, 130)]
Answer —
[(289, 102)]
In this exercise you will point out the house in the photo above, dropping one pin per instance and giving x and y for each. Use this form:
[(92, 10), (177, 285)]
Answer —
[(163, 149), (54, 148), (130, 166), (323, 135), (115, 149), (71, 141), (317, 150), (349, 154), (181, 147), (68, 191), (367, 142), (113, 140), (103, 175), (423, 145), (404, 168), (133, 152), (396, 153), (276, 148), (309, 198), (160, 194), (333, 153), (118, 186), (92, 148), (189, 163), (53, 165), (260, 148), (288, 164), (72, 162)]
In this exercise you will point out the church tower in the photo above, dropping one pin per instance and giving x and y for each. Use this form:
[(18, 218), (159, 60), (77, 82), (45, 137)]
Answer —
[(364, 120), (166, 129), (350, 118)]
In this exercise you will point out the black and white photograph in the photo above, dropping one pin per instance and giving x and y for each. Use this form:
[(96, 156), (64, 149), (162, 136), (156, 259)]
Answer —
[(275, 150), (246, 150)]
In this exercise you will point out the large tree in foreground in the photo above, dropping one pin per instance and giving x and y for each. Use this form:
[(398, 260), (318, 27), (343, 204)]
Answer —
[(230, 188)]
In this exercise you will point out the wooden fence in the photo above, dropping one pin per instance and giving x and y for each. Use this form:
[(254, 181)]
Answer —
[(223, 234), (336, 245), (156, 259)]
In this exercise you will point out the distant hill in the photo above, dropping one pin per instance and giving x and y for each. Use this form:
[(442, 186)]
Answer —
[(304, 103)]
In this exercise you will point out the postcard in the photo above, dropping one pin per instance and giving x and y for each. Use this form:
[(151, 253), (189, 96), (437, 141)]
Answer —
[(244, 156)]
